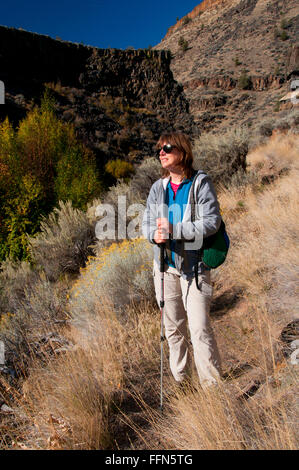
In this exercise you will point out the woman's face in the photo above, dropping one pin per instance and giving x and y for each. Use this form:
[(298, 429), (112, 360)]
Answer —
[(170, 161)]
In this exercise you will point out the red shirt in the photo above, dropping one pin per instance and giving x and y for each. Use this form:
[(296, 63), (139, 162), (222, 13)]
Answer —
[(174, 187)]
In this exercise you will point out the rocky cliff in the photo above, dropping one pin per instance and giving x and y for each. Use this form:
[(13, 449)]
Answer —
[(119, 101), (235, 59)]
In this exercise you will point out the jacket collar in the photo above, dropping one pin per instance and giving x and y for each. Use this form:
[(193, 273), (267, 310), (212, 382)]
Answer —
[(165, 181)]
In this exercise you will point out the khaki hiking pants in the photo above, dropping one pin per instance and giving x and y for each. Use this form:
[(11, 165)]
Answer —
[(183, 301)]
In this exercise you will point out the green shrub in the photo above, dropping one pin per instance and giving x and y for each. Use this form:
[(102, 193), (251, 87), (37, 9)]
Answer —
[(146, 174), (280, 34), (277, 107), (122, 273), (276, 33), (119, 169), (284, 36), (222, 155), (21, 216), (263, 130), (63, 243), (41, 162), (244, 82), (186, 20), (183, 43), (77, 178), (285, 24)]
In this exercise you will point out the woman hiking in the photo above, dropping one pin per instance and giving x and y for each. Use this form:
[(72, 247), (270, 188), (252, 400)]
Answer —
[(187, 286)]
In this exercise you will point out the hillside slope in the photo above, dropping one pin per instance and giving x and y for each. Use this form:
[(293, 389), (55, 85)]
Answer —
[(225, 40)]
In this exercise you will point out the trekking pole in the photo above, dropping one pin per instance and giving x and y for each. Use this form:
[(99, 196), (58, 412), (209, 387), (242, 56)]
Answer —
[(162, 321)]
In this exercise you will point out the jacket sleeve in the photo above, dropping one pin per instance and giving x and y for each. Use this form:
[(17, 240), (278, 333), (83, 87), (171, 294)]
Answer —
[(149, 225), (208, 218)]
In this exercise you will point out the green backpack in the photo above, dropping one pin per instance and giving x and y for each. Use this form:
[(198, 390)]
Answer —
[(215, 247)]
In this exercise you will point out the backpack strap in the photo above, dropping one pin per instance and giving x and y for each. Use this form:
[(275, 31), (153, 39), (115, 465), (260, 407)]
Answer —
[(193, 216)]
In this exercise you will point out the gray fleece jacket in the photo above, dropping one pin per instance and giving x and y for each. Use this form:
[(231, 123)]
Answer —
[(188, 234)]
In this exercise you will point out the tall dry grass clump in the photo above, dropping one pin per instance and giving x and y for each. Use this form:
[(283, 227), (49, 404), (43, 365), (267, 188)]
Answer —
[(215, 419), (267, 262), (279, 154), (70, 399), (15, 278)]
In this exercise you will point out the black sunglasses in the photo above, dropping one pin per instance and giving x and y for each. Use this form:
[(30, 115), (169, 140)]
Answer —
[(167, 148)]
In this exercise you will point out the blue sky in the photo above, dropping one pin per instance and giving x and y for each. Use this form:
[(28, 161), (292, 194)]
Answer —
[(98, 23)]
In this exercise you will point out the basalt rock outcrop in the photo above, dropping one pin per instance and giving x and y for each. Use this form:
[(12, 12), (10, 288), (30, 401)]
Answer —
[(138, 95), (257, 83), (119, 101)]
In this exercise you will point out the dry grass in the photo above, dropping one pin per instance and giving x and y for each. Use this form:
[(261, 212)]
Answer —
[(71, 402), (214, 420), (264, 260), (104, 393), (227, 417), (278, 154)]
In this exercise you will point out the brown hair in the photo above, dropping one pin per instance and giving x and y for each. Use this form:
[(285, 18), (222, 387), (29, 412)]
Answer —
[(182, 143)]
